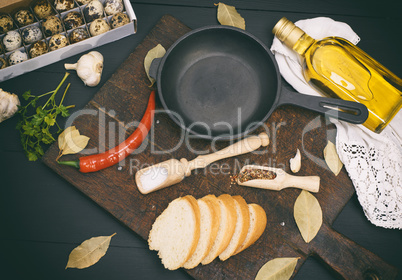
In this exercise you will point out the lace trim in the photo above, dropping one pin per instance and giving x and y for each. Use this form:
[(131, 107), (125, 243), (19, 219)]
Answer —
[(376, 173)]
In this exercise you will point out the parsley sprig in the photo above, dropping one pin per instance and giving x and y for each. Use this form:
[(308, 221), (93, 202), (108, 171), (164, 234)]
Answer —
[(36, 128)]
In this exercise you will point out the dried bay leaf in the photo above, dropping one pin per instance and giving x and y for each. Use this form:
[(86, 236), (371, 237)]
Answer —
[(227, 15), (71, 142), (277, 269), (332, 159), (156, 52), (89, 252), (75, 144), (62, 136), (308, 215)]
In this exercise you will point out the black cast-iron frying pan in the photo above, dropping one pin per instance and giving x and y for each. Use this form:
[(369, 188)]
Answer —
[(220, 81)]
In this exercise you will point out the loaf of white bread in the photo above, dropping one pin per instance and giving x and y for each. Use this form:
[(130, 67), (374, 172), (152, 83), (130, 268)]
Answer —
[(190, 232)]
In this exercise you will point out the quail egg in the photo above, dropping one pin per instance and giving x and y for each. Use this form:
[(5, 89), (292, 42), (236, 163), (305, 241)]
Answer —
[(6, 23), (98, 26), (12, 40), (57, 41), (1, 48), (43, 9), (17, 57), (37, 49), (83, 2), (93, 10), (119, 19), (78, 35), (63, 5), (24, 18), (73, 20), (3, 63), (31, 34), (52, 25), (113, 7)]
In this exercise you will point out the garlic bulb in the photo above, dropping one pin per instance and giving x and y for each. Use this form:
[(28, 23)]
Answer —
[(89, 68), (295, 163), (9, 103)]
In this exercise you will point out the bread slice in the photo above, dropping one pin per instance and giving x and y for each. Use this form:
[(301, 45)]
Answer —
[(226, 227), (175, 233), (210, 220), (258, 222), (241, 229)]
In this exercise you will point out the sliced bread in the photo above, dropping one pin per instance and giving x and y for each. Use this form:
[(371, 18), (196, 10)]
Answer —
[(241, 229), (258, 222), (210, 220), (226, 227), (176, 231)]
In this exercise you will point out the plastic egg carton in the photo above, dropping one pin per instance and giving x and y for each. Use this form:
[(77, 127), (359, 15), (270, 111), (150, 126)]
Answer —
[(72, 48)]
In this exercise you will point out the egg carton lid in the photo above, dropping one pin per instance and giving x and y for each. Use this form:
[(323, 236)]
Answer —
[(7, 6)]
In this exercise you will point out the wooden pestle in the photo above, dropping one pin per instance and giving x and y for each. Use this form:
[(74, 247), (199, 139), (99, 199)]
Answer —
[(281, 181), (176, 170)]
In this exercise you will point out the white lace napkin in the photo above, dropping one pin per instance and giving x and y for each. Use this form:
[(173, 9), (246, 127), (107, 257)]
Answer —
[(373, 161)]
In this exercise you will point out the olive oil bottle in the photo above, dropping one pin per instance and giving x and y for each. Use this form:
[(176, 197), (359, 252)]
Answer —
[(339, 69)]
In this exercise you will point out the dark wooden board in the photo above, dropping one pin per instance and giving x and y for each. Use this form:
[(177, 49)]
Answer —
[(109, 116)]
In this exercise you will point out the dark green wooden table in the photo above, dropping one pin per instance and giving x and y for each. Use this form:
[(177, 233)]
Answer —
[(43, 217)]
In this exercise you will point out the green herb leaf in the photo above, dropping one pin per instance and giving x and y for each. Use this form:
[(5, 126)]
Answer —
[(34, 126), (32, 156), (26, 95), (64, 111), (37, 120), (50, 120), (33, 102)]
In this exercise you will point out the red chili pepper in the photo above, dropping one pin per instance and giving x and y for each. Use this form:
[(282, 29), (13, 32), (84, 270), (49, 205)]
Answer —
[(97, 162)]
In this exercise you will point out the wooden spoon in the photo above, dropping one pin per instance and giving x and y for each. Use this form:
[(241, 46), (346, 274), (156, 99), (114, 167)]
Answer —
[(281, 180), (173, 171)]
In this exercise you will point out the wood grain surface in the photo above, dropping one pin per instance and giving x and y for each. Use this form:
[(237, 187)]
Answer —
[(122, 100)]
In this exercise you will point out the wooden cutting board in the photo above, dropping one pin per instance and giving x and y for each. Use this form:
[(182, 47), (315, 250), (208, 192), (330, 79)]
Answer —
[(122, 100)]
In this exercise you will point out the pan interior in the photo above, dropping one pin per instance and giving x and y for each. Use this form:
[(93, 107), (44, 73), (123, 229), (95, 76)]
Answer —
[(218, 82)]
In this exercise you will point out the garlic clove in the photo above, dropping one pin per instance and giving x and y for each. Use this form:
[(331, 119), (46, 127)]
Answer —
[(9, 103), (295, 162), (92, 80), (97, 55), (89, 68)]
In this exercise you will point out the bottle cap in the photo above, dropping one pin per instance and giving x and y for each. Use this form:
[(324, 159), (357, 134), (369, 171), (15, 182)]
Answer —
[(287, 32)]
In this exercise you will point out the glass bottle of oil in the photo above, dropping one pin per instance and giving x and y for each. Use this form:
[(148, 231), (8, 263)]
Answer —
[(339, 69)]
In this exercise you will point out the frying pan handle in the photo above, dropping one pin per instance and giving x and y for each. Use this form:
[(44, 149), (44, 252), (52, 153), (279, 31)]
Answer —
[(349, 111), (349, 259), (153, 69)]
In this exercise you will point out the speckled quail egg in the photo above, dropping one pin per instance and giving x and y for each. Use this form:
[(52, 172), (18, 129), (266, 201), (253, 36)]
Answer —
[(57, 41), (6, 23), (31, 34), (43, 9), (17, 57), (113, 7), (1, 48), (3, 63), (24, 18), (63, 5), (98, 26), (119, 19), (38, 49), (93, 10), (78, 35), (73, 20), (52, 25), (83, 2), (12, 40)]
